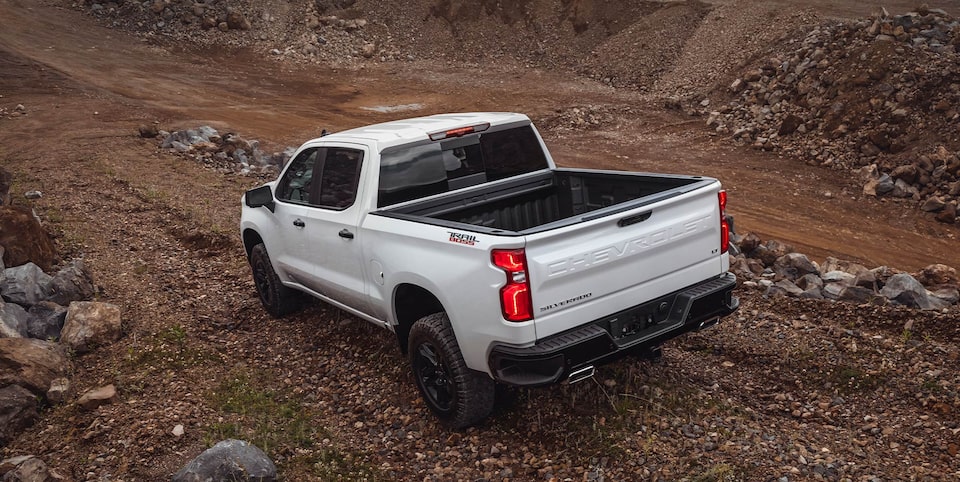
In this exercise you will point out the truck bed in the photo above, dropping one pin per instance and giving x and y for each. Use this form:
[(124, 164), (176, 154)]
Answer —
[(546, 200)]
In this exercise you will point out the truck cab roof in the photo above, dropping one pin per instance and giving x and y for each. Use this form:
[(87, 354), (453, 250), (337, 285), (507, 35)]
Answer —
[(388, 134)]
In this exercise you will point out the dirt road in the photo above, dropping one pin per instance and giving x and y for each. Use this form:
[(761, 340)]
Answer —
[(283, 105), (159, 232)]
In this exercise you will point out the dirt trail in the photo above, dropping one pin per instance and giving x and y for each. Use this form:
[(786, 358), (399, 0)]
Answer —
[(283, 105), (159, 233)]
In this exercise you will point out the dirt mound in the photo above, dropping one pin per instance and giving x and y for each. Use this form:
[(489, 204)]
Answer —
[(622, 45), (881, 90)]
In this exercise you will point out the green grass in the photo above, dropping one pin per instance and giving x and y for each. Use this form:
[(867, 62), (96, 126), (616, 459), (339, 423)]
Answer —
[(717, 473), (283, 428), (850, 378), (259, 415), (167, 350)]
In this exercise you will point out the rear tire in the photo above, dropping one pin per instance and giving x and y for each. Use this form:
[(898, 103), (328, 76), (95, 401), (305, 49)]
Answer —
[(458, 396), (277, 299)]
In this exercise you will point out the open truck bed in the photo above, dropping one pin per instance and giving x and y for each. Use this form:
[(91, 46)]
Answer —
[(547, 200)]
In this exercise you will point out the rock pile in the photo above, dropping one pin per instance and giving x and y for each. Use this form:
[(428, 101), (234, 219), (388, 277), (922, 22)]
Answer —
[(779, 271), (881, 91), (228, 152), (41, 318), (17, 111), (327, 31)]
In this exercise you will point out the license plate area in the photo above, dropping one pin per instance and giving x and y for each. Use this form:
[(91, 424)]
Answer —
[(641, 322)]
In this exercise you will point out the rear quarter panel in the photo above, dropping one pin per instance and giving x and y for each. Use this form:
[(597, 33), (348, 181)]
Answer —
[(455, 266)]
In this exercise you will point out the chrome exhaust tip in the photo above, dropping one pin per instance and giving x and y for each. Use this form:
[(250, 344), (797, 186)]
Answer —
[(581, 374), (708, 323)]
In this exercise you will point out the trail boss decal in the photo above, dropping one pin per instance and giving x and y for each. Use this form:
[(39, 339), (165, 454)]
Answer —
[(461, 238)]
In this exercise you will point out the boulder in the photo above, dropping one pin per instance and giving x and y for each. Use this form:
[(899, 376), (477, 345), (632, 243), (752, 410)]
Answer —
[(45, 320), (950, 296), (906, 290), (904, 189), (790, 124), (60, 389), (739, 267), (834, 264), (856, 294), (90, 324), (948, 215), (842, 277), (866, 279), (812, 293), (908, 173), (237, 21), (783, 287), (879, 186), (936, 275), (883, 273), (25, 285), (933, 204), (18, 411), (794, 265), (831, 291), (13, 321), (148, 131), (98, 397), (72, 283), (32, 364), (229, 460), (749, 242), (810, 281), (24, 238), (28, 468)]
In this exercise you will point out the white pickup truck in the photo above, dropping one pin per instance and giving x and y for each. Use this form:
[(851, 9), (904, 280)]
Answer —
[(459, 234)]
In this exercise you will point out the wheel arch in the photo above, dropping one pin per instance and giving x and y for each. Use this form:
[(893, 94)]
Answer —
[(251, 238), (412, 302)]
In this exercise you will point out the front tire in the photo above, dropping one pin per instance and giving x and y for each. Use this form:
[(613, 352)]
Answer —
[(277, 299), (458, 396)]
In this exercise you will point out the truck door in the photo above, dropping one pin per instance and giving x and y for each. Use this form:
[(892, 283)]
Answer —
[(335, 242), (294, 198)]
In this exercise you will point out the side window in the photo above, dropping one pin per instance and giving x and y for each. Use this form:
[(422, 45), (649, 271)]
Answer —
[(340, 178), (297, 181)]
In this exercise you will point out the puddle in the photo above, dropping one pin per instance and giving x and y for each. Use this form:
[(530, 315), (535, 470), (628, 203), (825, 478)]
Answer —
[(387, 109)]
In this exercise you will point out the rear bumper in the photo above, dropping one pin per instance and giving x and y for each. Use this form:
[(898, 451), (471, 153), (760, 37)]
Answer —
[(634, 330)]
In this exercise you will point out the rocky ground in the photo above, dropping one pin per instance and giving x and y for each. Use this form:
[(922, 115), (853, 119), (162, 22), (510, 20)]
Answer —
[(785, 389)]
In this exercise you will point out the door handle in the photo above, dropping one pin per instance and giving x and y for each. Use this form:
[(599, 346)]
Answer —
[(299, 223), (346, 234)]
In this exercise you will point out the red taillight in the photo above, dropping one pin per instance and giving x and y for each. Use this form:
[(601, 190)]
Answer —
[(515, 296), (724, 225)]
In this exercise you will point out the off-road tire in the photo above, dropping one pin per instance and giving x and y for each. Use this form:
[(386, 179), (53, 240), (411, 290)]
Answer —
[(277, 299), (458, 396)]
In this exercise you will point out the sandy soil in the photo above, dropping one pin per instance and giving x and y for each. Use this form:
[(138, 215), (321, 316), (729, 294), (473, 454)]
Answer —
[(159, 233)]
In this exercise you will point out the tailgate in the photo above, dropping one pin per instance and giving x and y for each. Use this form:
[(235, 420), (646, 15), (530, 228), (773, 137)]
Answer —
[(611, 262)]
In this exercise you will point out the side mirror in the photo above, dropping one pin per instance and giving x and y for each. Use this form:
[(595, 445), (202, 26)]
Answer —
[(261, 196)]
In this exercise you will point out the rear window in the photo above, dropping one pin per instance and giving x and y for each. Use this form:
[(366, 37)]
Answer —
[(422, 170)]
